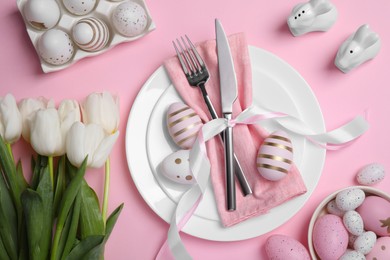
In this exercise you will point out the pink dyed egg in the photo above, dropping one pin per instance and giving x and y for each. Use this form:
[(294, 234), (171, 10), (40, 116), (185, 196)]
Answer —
[(275, 156), (284, 247), (381, 249), (375, 212), (330, 238), (183, 124)]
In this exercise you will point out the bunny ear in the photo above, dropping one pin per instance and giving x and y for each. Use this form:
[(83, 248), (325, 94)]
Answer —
[(370, 40), (361, 33), (321, 6)]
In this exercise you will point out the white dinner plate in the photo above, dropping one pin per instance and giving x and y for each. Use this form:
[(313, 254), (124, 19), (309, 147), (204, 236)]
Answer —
[(277, 86)]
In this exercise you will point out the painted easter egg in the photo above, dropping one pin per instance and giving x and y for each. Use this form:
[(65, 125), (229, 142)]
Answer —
[(371, 174), (79, 7), (375, 212), (130, 19), (350, 199), (332, 208), (274, 159), (176, 167), (284, 247), (42, 14), (365, 242), (90, 34), (353, 222), (330, 238), (183, 124), (381, 249), (55, 47), (352, 255)]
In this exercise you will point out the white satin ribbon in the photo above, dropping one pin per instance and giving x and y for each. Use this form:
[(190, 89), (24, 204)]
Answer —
[(173, 247)]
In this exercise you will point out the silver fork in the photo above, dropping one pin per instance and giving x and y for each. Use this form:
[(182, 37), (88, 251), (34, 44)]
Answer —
[(197, 75)]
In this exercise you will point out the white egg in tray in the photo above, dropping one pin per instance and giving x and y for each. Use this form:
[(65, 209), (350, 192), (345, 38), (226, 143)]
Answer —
[(65, 31)]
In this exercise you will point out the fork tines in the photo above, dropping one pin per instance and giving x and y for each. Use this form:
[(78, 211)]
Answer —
[(192, 63)]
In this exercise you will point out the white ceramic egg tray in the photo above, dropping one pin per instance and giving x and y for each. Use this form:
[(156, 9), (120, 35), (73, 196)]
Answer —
[(103, 10)]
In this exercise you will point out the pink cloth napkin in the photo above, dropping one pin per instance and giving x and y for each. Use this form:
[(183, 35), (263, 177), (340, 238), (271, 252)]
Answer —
[(247, 139)]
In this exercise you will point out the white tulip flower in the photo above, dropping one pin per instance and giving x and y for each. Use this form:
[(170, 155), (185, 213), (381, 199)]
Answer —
[(91, 140), (69, 112), (46, 136), (10, 119), (28, 108), (102, 109), (50, 127)]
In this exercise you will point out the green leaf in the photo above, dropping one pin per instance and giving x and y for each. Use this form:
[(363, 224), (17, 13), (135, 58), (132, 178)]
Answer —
[(7, 164), (60, 184), (23, 242), (111, 221), (34, 212), (20, 177), (45, 191), (8, 221), (91, 220), (81, 250), (98, 251), (37, 165), (66, 203), (9, 170), (95, 253), (73, 222), (3, 251)]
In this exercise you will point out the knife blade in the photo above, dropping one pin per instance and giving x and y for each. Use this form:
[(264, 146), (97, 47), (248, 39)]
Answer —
[(228, 86)]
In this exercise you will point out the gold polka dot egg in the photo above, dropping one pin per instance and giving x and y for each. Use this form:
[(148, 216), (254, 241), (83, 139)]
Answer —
[(55, 47), (274, 159), (176, 167), (129, 19), (79, 7), (183, 124)]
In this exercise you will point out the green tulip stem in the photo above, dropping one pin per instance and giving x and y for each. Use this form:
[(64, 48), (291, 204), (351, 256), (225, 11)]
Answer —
[(50, 161), (10, 151), (106, 189)]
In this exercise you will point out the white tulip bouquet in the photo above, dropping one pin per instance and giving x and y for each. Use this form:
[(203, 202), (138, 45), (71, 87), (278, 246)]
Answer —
[(56, 215)]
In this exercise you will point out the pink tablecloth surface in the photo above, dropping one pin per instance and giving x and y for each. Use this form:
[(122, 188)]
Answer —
[(124, 69)]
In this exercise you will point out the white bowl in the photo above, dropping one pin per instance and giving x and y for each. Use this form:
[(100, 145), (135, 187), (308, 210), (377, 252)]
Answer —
[(321, 210)]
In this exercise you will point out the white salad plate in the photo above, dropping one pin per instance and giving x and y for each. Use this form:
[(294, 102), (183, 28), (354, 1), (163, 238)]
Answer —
[(276, 86)]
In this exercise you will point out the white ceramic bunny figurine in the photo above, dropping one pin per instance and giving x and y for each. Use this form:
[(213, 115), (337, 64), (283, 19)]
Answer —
[(360, 47), (315, 15)]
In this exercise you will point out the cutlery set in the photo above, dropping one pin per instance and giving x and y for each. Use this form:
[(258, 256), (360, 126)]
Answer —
[(197, 75)]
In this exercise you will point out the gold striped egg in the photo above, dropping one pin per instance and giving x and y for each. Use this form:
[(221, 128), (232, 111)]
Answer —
[(90, 34), (274, 159), (183, 124)]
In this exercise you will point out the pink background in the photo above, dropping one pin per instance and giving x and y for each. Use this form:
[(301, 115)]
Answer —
[(124, 69)]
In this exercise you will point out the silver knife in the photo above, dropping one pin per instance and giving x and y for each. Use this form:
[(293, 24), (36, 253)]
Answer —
[(228, 85)]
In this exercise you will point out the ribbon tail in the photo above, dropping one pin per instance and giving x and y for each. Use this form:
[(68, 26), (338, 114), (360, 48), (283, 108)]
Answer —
[(343, 134), (173, 248), (332, 140)]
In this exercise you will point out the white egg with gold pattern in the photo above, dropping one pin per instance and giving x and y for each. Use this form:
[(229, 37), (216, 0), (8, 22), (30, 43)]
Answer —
[(79, 7), (130, 19), (274, 159), (183, 124), (42, 14), (176, 167), (55, 47), (90, 34)]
